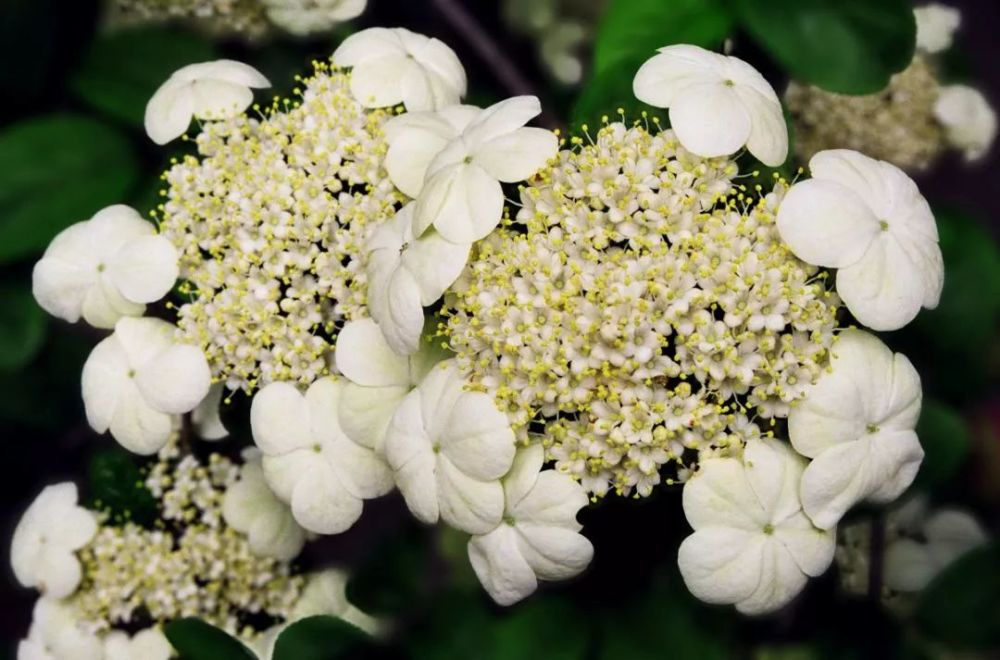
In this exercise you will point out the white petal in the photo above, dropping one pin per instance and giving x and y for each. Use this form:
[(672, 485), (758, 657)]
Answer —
[(467, 504), (503, 572), (321, 504), (810, 547), (364, 356), (151, 644), (720, 495), (206, 419), (282, 472), (462, 202), (721, 564), (553, 501), (145, 270), (951, 533), (365, 412), (138, 427), (936, 23), (169, 112), (414, 139), (367, 44), (501, 119), (663, 78), (909, 566), (176, 381), (434, 264), (279, 417), (228, 70), (66, 272), (861, 174), (773, 472), (885, 289), (213, 99), (768, 140), (554, 553), (378, 82), (105, 375), (443, 71), (103, 306), (523, 474), (276, 535), (517, 155), (409, 452), (361, 470), (781, 582), (826, 224), (477, 437), (969, 121), (144, 339), (394, 303), (710, 120)]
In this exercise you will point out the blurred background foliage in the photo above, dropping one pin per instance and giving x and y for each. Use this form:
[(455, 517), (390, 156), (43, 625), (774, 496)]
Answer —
[(71, 142)]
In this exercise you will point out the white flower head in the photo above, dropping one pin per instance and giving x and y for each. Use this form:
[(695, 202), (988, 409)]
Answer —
[(309, 461), (752, 546), (405, 274), (538, 538), (136, 380), (395, 65), (207, 90), (717, 103), (449, 447), (251, 507), (303, 17), (948, 534), (147, 644), (866, 218), (856, 423), (461, 194), (46, 539), (936, 26), (969, 120), (379, 379), (56, 634), (105, 268)]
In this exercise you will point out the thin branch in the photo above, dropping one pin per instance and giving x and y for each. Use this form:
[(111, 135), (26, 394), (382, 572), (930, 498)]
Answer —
[(488, 50), (876, 558)]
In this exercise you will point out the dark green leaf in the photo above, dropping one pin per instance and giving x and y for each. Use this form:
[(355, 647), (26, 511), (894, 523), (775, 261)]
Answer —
[(124, 68), (56, 170), (22, 327), (632, 30), (47, 394), (391, 579), (322, 638), (845, 46), (945, 438), (194, 639), (117, 486), (630, 33), (961, 606)]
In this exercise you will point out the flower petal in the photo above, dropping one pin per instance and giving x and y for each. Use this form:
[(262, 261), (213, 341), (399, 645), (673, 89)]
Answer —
[(773, 472), (909, 566), (721, 564), (103, 306), (523, 474), (811, 548), (321, 503), (476, 437), (176, 381), (663, 78), (501, 119), (368, 44), (409, 452), (365, 413), (768, 140), (137, 426), (169, 112), (105, 375), (462, 202), (206, 419), (414, 139), (377, 82), (710, 120), (781, 582), (365, 357), (554, 501), (517, 155), (554, 553), (500, 567), (279, 418), (466, 503), (145, 269), (720, 495), (434, 264), (885, 289)]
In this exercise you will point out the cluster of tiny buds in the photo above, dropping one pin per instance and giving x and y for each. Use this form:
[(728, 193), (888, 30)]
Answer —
[(270, 222), (190, 564), (640, 309)]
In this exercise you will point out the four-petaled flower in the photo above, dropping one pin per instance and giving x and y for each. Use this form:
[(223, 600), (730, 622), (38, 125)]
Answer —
[(866, 218), (309, 461), (856, 423), (752, 546), (538, 538), (105, 268)]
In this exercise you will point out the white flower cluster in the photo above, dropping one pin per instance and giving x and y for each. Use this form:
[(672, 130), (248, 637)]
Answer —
[(640, 308), (98, 578), (910, 123)]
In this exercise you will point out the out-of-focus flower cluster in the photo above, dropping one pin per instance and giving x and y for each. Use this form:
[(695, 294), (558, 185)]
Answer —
[(647, 309)]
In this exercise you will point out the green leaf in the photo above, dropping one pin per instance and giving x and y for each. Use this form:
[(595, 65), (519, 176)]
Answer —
[(961, 606), (123, 69), (945, 438), (56, 170), (22, 327), (322, 638), (46, 395), (845, 46), (629, 34), (117, 486), (194, 639), (633, 29)]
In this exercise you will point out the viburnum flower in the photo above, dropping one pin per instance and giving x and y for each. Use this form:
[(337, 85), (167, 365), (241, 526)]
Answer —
[(752, 545), (251, 507), (415, 138), (49, 533), (406, 272), (948, 534), (325, 593), (461, 196), (309, 461), (449, 447), (717, 103), (304, 17), (207, 90), (866, 218), (395, 65), (105, 268), (56, 634), (148, 644), (538, 538), (379, 379), (936, 25), (856, 423), (137, 379), (969, 121)]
